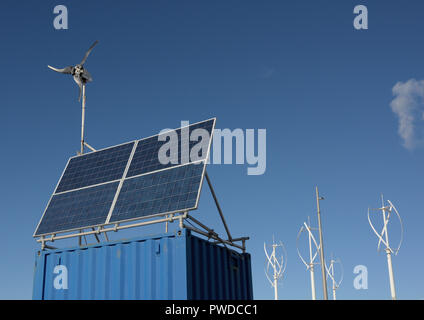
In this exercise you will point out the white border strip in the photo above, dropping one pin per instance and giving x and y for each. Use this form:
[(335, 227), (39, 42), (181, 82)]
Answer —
[(205, 164), (87, 187)]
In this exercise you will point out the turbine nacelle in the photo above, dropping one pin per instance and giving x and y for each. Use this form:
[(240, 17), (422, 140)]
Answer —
[(80, 74)]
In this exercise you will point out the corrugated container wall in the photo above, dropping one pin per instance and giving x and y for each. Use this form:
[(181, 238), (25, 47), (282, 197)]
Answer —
[(168, 267)]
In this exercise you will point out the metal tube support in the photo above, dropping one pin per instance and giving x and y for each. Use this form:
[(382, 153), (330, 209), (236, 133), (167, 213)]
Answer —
[(314, 297), (311, 262), (209, 230), (218, 239), (218, 206), (391, 276), (275, 288), (49, 247), (388, 252), (89, 147), (79, 239), (115, 228), (275, 274), (181, 218), (334, 292), (96, 236), (332, 278), (321, 251), (83, 119)]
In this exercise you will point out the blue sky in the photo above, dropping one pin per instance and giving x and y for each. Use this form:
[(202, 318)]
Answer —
[(298, 69)]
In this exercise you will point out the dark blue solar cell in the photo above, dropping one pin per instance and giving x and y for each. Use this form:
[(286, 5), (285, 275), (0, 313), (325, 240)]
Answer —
[(146, 156), (96, 167), (78, 209), (166, 191)]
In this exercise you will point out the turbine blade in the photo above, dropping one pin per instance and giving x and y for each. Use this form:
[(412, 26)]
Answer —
[(88, 52), (67, 70), (86, 76)]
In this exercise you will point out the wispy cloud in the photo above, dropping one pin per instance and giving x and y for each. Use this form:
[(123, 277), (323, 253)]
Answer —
[(408, 105)]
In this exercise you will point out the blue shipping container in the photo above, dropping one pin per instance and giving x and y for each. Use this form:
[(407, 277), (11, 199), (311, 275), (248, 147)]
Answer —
[(167, 266)]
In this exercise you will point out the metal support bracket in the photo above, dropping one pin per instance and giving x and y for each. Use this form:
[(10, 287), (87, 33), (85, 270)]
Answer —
[(218, 206)]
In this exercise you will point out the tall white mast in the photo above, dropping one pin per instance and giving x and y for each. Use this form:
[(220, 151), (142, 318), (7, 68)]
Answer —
[(278, 265), (387, 209), (82, 118), (321, 245)]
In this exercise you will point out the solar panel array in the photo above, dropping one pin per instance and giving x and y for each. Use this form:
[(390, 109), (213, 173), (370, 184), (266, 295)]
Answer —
[(127, 182)]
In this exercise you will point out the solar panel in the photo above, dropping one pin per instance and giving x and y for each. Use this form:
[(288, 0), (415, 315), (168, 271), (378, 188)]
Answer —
[(146, 155), (96, 167), (166, 191), (79, 208), (127, 182)]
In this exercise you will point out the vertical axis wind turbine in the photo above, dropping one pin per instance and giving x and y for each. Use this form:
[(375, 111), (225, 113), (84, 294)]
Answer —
[(383, 237), (278, 265), (330, 273), (81, 77), (309, 265)]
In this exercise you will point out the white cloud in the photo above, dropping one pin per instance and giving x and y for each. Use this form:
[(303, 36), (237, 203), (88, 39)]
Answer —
[(408, 105)]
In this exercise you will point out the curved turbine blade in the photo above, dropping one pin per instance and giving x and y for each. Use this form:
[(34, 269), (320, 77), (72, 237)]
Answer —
[(283, 261), (88, 52), (313, 239), (86, 76), (401, 226), (297, 247), (386, 222), (342, 272), (67, 70), (78, 82), (376, 233), (328, 270)]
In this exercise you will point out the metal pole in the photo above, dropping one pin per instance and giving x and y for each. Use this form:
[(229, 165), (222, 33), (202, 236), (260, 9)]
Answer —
[(389, 253), (313, 282), (332, 278), (80, 239), (391, 276), (321, 251), (311, 264), (218, 206), (275, 274), (275, 289), (96, 236), (334, 292), (83, 119)]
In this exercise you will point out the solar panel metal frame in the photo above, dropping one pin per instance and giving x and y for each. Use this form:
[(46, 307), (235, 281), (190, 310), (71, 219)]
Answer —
[(122, 180)]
